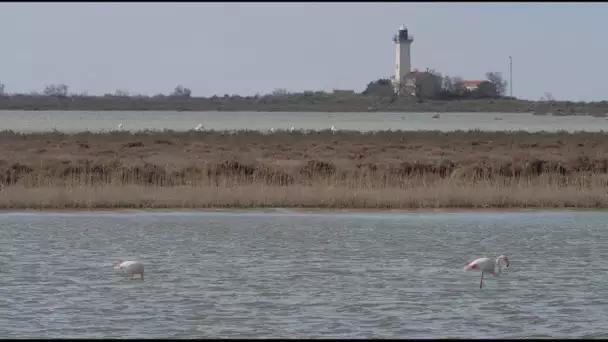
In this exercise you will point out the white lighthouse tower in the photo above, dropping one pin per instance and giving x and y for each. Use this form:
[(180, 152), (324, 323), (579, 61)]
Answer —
[(403, 41)]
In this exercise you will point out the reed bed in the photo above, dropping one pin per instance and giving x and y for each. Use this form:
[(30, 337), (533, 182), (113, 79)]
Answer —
[(381, 170)]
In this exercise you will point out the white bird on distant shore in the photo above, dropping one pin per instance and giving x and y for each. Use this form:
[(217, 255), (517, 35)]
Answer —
[(487, 265), (120, 125), (271, 130), (293, 128), (199, 127), (131, 268), (333, 129)]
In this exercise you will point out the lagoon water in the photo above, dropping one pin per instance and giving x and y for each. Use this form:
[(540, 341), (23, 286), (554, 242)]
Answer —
[(302, 275), (73, 121)]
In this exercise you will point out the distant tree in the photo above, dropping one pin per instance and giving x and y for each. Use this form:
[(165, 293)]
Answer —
[(548, 97), (180, 91), (121, 93), (280, 92), (459, 88), (435, 81), (486, 89), (447, 84), (380, 87), (496, 79), (436, 73), (446, 88), (58, 90)]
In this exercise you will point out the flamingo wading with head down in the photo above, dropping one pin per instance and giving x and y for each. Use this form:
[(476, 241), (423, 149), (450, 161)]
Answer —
[(487, 265), (131, 268)]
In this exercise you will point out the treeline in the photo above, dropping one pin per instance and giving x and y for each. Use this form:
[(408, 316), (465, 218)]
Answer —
[(432, 93), (432, 85), (61, 90), (429, 85)]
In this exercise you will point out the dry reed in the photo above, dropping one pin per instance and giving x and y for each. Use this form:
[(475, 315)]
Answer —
[(398, 170)]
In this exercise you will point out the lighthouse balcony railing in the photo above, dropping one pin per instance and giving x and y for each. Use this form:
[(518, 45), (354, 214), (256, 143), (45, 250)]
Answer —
[(396, 38)]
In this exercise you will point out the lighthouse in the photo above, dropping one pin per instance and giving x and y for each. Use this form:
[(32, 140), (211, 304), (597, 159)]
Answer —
[(403, 41)]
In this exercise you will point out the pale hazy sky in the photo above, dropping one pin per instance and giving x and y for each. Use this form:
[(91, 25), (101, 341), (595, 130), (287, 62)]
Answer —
[(244, 48)]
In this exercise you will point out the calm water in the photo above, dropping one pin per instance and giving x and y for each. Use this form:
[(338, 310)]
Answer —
[(69, 121), (245, 275)]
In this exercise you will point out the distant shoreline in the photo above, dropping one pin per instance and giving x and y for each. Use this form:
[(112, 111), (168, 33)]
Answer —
[(349, 102)]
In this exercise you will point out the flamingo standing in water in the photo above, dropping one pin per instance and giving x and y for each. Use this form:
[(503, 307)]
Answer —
[(131, 268), (487, 265)]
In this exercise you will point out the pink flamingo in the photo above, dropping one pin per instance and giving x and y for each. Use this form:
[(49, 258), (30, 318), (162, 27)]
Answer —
[(487, 265), (131, 268)]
